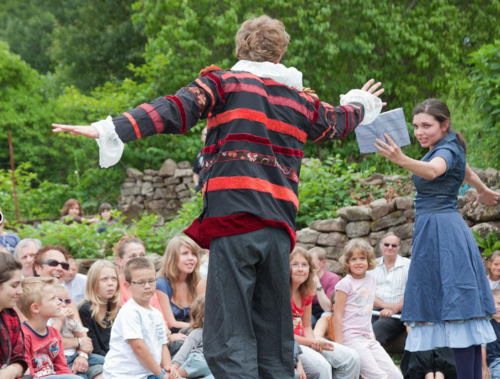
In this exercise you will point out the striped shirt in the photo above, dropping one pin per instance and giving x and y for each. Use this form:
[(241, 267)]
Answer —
[(391, 284)]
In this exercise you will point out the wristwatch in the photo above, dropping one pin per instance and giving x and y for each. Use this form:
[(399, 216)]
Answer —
[(84, 355), (319, 288)]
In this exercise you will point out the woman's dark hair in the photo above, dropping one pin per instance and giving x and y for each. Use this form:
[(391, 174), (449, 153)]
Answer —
[(68, 204), (9, 264), (439, 110), (40, 253), (105, 207)]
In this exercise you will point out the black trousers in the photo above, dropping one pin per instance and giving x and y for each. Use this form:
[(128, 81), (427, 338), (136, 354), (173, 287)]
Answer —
[(248, 330), (386, 329)]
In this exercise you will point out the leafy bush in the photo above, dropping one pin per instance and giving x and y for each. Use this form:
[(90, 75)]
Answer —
[(489, 244)]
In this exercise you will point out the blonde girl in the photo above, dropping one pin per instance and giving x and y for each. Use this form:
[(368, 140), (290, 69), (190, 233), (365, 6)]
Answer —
[(177, 281), (494, 270), (353, 312), (319, 355), (189, 361), (101, 305)]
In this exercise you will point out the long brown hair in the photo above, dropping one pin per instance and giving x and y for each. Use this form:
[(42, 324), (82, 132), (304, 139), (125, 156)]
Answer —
[(119, 248), (307, 288), (9, 265), (169, 267), (197, 312), (440, 111), (68, 204)]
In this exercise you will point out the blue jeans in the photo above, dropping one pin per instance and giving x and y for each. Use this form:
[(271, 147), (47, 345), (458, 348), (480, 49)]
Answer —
[(196, 366), (495, 369), (95, 365)]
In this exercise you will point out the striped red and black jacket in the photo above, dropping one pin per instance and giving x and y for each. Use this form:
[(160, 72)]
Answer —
[(257, 129), (11, 339)]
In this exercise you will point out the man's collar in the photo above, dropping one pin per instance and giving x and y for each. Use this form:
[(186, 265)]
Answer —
[(289, 76), (398, 263)]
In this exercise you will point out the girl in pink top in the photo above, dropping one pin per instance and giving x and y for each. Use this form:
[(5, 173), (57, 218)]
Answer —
[(353, 312)]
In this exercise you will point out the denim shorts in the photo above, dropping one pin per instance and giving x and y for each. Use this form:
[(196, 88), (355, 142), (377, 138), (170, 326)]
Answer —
[(196, 366), (95, 365)]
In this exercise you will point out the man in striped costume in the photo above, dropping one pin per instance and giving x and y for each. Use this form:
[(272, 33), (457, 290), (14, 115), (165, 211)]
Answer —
[(258, 118)]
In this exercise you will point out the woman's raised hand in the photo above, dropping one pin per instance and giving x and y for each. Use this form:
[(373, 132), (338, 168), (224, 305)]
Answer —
[(86, 131), (389, 150)]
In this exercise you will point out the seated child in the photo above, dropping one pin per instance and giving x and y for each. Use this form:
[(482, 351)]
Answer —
[(492, 350), (324, 326), (107, 219), (299, 369), (189, 361), (43, 343), (138, 345), (71, 328), (12, 361), (493, 269), (353, 312)]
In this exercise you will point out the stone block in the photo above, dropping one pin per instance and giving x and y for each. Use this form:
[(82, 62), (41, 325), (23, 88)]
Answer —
[(482, 212), (158, 185), (392, 219), (183, 194), (148, 172), (405, 247), (168, 168), (410, 214), (129, 180), (470, 195), (485, 228), (333, 225), (173, 204), (378, 203), (404, 231), (183, 172), (404, 203), (139, 182), (307, 236), (147, 178), (157, 179), (355, 213), (334, 266), (159, 193), (306, 246), (131, 191), (357, 229), (156, 205), (184, 165), (147, 188), (333, 252), (135, 207), (180, 187), (127, 185), (332, 239), (461, 202), (171, 181), (375, 237), (134, 173)]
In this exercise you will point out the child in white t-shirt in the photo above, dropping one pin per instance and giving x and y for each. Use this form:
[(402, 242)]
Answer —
[(493, 269), (138, 345), (352, 325)]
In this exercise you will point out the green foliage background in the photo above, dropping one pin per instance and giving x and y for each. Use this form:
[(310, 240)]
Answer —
[(78, 62)]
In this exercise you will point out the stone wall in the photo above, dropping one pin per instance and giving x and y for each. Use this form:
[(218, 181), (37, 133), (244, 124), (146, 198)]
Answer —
[(371, 222), (162, 192)]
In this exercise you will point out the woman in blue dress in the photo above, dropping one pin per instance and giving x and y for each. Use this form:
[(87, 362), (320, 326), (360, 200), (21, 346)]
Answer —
[(447, 300)]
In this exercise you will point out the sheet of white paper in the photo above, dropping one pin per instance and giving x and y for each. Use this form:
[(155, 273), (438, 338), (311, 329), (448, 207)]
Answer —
[(392, 123)]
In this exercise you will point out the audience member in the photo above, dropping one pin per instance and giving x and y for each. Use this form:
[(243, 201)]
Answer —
[(491, 364), (353, 310), (391, 274), (325, 284), (493, 268), (317, 353), (324, 326), (127, 248), (102, 303), (299, 368), (25, 252), (107, 219), (138, 345), (8, 240), (199, 176), (43, 343), (72, 212), (190, 362), (75, 282), (71, 328), (429, 364), (12, 359), (177, 281)]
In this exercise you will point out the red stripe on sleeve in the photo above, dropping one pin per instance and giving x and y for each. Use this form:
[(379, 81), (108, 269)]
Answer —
[(154, 116), (180, 106), (134, 124), (220, 89)]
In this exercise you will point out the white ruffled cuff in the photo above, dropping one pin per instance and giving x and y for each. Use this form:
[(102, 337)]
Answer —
[(110, 145), (371, 103)]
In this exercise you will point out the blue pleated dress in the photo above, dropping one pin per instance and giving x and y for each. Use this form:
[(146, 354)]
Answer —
[(447, 299)]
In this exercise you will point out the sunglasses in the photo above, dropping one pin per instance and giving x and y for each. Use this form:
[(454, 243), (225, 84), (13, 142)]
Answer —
[(393, 245), (65, 301), (54, 263)]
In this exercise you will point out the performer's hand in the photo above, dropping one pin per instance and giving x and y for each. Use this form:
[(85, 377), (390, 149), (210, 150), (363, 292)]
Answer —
[(86, 131), (487, 196), (386, 313), (373, 88), (391, 151)]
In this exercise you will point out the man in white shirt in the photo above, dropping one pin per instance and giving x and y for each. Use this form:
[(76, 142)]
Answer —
[(74, 282), (391, 273)]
